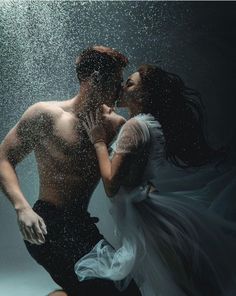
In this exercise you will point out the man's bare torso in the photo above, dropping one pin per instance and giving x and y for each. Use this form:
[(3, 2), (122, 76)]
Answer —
[(67, 163)]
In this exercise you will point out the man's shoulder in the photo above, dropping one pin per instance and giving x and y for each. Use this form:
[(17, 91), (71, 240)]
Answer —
[(40, 116), (48, 109)]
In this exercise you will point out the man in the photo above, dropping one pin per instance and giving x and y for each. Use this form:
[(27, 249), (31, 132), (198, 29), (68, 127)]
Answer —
[(58, 230)]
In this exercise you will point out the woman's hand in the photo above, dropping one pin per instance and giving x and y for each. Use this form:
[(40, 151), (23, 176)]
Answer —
[(94, 128)]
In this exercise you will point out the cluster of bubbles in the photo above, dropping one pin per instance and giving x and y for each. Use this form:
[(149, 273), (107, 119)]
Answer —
[(41, 39)]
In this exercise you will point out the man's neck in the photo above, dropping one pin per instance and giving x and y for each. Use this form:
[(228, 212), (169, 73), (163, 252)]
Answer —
[(87, 100)]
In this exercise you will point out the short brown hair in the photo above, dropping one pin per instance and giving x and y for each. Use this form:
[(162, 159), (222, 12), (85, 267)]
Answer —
[(104, 60)]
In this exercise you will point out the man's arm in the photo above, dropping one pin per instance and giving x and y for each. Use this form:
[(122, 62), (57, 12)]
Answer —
[(18, 143)]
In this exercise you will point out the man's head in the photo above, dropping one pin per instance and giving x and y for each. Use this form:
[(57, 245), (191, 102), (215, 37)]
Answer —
[(103, 66)]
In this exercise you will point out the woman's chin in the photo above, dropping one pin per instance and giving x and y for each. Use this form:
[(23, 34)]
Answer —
[(121, 104), (115, 124)]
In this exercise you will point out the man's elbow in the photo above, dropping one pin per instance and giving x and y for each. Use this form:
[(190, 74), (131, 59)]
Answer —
[(6, 161), (3, 157)]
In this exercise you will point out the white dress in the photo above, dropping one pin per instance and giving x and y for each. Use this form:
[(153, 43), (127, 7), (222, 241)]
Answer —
[(173, 241)]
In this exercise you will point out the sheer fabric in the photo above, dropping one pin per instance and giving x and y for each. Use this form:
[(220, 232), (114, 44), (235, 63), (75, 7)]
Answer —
[(133, 141), (133, 137), (176, 240)]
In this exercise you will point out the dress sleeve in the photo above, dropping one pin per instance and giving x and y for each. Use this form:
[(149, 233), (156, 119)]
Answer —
[(133, 136)]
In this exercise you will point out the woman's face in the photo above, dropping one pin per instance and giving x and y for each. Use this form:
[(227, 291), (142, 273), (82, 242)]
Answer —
[(110, 118), (132, 90)]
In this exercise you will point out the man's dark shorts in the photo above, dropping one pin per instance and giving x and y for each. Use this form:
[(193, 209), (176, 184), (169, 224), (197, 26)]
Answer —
[(72, 233)]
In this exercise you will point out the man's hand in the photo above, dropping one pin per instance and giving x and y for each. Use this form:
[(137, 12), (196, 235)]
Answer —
[(31, 226), (94, 128)]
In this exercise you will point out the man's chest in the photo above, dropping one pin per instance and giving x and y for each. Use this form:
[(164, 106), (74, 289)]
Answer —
[(67, 140), (68, 132)]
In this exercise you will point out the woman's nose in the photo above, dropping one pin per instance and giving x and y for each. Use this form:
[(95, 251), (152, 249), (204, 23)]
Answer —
[(104, 107)]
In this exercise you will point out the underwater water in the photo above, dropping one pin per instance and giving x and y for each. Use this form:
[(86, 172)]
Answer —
[(39, 42)]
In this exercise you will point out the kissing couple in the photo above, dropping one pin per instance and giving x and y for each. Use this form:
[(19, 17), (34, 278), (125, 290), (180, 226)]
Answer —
[(164, 181)]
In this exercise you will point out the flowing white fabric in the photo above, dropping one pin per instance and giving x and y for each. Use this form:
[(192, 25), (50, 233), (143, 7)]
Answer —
[(173, 241)]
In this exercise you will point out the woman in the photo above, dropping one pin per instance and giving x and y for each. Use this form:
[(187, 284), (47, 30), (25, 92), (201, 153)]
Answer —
[(163, 180)]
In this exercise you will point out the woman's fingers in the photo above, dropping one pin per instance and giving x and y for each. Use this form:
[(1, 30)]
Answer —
[(92, 120), (88, 121), (86, 127), (98, 117)]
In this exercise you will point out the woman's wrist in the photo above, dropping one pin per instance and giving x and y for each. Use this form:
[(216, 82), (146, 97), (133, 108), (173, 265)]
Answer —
[(100, 143)]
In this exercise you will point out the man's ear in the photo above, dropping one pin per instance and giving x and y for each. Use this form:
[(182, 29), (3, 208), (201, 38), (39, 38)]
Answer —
[(96, 77)]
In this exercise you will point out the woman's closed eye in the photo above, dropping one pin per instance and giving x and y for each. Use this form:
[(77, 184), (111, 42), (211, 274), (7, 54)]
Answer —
[(109, 110), (129, 82)]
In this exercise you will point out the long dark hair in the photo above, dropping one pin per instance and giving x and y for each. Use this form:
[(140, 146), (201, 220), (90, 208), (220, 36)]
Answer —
[(179, 110)]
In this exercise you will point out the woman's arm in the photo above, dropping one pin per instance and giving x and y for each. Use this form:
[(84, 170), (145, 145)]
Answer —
[(111, 170), (130, 139)]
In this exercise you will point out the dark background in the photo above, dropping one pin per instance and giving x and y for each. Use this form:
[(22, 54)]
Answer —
[(39, 41)]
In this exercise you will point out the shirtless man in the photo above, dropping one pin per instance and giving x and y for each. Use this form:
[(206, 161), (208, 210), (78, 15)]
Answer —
[(58, 230)]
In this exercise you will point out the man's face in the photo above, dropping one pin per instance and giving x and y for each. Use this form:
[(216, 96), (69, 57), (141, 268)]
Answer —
[(116, 88)]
